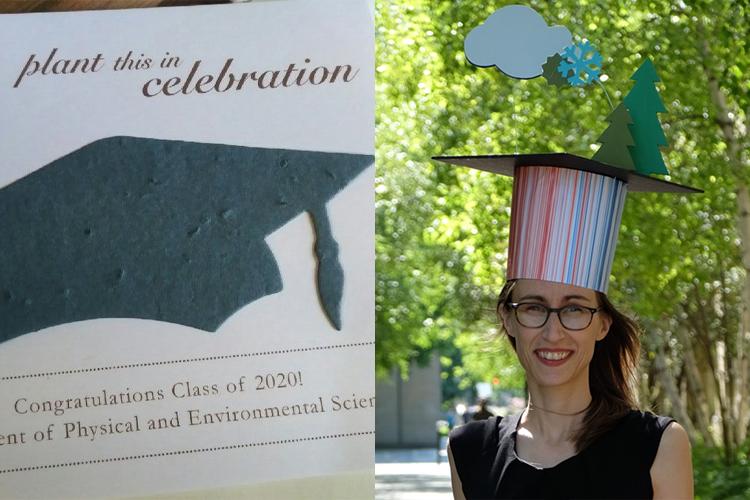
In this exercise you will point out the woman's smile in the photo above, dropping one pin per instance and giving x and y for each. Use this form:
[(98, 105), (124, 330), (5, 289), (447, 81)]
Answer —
[(553, 357)]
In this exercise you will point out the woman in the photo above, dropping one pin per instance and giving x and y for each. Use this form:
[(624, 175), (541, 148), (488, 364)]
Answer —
[(581, 435)]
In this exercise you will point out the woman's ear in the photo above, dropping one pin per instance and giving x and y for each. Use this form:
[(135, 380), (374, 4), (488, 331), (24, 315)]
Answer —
[(606, 322), (505, 317)]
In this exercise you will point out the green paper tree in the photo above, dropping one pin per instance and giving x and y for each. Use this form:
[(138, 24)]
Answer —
[(616, 141), (644, 103)]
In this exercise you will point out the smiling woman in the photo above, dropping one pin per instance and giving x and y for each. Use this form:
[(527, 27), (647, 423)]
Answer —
[(582, 434)]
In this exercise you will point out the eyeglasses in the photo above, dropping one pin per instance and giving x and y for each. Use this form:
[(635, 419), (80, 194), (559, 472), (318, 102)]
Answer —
[(572, 317)]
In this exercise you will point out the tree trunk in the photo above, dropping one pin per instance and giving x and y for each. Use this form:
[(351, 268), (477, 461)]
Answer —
[(743, 336), (667, 383), (733, 413), (695, 387)]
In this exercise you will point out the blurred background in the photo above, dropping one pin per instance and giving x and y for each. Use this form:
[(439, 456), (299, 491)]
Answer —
[(682, 261)]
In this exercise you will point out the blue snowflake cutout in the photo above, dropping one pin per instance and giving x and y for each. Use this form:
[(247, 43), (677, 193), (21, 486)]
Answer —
[(581, 64)]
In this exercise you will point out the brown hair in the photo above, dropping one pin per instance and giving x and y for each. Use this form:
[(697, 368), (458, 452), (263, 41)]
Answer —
[(611, 372)]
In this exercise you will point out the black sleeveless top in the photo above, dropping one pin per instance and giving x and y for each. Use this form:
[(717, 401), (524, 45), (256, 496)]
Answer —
[(617, 465)]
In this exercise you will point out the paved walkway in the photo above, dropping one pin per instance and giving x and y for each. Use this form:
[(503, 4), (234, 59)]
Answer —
[(412, 474)]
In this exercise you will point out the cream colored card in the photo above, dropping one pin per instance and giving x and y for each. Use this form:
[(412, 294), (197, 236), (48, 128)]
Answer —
[(135, 405)]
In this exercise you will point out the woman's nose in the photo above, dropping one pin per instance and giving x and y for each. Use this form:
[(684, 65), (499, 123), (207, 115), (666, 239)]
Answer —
[(553, 330)]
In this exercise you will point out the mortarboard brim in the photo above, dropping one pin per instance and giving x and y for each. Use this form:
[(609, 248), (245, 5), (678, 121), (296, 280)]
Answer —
[(505, 165)]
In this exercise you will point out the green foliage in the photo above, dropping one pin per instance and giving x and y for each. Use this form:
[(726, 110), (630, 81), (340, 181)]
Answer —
[(715, 479)]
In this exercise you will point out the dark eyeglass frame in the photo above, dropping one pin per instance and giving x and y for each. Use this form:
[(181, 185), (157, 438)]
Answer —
[(556, 310)]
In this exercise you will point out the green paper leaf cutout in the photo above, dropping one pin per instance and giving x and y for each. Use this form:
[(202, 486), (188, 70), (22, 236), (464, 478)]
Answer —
[(644, 103), (550, 72), (616, 141)]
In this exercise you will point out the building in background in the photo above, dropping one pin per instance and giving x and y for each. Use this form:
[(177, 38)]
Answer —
[(407, 410)]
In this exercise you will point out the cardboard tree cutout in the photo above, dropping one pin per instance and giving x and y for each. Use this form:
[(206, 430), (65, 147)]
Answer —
[(644, 103), (616, 141)]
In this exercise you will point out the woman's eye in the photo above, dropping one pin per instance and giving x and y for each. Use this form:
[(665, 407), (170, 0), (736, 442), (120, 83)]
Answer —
[(534, 308), (574, 309)]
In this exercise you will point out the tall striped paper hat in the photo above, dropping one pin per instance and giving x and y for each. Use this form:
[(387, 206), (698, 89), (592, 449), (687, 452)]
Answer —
[(565, 213)]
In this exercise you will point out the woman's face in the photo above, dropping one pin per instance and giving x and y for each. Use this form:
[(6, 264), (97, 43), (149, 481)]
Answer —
[(551, 354)]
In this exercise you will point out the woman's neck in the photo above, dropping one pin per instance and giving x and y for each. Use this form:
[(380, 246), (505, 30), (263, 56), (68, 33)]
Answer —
[(554, 413)]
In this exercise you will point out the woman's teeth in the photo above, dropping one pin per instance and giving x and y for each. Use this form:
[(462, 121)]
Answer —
[(554, 356)]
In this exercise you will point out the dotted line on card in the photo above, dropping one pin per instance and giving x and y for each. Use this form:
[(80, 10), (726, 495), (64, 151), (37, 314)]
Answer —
[(187, 360), (185, 452)]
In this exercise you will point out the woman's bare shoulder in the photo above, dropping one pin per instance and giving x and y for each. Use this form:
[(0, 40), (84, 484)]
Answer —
[(672, 470)]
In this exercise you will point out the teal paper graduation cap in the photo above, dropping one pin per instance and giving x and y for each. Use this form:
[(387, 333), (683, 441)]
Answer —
[(174, 231)]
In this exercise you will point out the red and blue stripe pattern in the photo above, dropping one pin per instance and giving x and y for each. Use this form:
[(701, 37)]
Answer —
[(564, 226)]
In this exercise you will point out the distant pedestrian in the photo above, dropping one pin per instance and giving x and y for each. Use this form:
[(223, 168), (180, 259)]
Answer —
[(483, 413)]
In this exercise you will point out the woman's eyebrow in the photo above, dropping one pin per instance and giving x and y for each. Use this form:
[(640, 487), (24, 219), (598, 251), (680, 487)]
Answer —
[(581, 297), (532, 297)]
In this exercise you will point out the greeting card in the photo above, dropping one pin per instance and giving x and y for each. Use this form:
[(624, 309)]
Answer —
[(186, 264)]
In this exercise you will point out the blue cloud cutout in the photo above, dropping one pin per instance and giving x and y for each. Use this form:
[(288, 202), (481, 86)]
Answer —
[(517, 40)]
